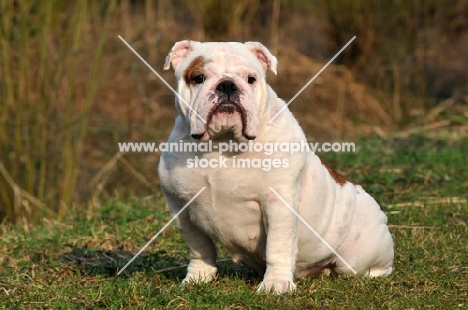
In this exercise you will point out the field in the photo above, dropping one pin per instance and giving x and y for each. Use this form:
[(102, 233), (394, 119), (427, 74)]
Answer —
[(418, 179)]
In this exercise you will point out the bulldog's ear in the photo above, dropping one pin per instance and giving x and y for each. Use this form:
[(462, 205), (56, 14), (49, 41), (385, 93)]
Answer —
[(266, 58), (179, 51)]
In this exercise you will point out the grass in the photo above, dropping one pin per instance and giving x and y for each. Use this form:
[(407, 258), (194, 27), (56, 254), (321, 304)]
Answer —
[(72, 264)]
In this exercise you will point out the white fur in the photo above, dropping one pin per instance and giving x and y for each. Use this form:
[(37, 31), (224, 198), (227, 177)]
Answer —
[(238, 210)]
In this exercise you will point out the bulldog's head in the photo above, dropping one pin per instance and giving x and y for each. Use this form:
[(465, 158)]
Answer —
[(222, 84)]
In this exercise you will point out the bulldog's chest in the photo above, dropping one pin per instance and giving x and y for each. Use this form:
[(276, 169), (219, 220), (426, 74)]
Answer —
[(229, 208), (236, 224), (225, 176), (230, 213)]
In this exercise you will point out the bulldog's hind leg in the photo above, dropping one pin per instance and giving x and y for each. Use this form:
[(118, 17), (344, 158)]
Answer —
[(202, 266), (367, 259), (369, 246)]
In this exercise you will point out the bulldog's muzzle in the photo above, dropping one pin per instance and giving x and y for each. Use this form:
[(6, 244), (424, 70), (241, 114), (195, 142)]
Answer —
[(227, 111)]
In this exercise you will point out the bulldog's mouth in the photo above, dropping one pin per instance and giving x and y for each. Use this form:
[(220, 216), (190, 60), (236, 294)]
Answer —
[(227, 109)]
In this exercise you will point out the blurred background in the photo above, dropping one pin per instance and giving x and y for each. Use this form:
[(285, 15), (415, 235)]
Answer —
[(70, 90)]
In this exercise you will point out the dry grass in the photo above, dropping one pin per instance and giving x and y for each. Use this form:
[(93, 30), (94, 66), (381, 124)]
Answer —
[(47, 94)]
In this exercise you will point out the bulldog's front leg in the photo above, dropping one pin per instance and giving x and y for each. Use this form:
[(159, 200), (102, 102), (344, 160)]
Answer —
[(281, 248), (202, 266)]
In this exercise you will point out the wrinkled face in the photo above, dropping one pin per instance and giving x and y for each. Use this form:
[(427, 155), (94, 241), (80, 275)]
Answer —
[(224, 84)]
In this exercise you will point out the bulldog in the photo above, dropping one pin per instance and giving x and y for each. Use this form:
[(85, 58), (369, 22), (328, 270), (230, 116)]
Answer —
[(292, 221)]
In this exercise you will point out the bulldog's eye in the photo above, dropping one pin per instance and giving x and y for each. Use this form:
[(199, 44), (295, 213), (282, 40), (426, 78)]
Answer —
[(199, 79), (251, 79)]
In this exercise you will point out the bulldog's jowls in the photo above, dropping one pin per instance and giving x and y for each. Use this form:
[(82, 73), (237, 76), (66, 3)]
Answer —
[(226, 88)]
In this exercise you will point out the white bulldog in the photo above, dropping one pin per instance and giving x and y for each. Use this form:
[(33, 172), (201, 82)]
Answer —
[(227, 98)]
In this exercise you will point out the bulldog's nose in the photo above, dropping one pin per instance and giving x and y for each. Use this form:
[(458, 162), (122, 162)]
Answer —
[(227, 87)]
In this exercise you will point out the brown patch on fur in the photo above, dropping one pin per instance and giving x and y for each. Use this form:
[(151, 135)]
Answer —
[(339, 179), (195, 68)]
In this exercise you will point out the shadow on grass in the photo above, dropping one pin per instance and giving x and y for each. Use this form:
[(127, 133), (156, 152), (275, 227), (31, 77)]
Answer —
[(96, 262), (108, 263)]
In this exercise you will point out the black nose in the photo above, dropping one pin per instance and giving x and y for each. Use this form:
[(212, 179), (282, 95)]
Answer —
[(227, 87)]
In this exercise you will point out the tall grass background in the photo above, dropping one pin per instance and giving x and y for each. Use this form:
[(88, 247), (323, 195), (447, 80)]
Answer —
[(69, 90), (44, 106)]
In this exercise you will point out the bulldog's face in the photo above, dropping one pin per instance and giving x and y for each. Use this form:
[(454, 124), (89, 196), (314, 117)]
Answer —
[(222, 84)]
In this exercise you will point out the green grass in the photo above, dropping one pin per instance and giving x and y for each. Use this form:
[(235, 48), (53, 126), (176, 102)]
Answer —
[(72, 264)]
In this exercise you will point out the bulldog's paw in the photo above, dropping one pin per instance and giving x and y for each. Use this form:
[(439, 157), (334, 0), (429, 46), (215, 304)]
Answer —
[(200, 276), (277, 286)]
